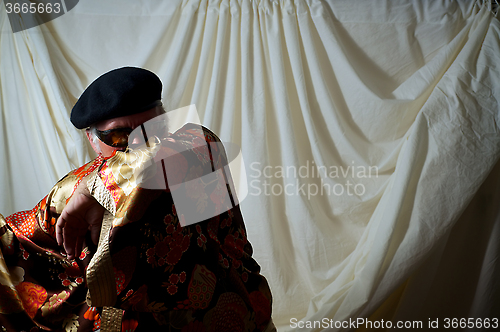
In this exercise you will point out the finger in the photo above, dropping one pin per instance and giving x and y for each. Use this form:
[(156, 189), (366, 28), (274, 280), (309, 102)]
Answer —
[(78, 247), (69, 240), (59, 230), (69, 251)]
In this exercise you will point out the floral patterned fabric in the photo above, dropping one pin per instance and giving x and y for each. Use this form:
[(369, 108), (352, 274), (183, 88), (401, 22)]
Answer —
[(200, 277)]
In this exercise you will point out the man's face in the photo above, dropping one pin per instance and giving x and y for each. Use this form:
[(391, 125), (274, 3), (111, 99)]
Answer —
[(128, 121)]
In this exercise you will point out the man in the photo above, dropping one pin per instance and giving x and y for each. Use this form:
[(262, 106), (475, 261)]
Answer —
[(104, 252)]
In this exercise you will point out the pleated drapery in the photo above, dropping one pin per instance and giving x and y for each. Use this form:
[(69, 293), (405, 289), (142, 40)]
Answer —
[(367, 129)]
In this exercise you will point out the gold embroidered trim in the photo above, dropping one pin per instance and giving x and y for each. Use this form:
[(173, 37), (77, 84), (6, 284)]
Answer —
[(100, 193), (111, 319), (6, 235), (2, 221), (100, 275)]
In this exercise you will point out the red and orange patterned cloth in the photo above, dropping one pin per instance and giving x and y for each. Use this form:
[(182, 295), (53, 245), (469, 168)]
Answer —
[(163, 277)]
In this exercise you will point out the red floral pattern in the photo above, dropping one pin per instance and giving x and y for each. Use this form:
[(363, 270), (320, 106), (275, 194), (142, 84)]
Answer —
[(169, 250), (91, 314), (229, 314), (119, 280), (201, 287), (72, 274)]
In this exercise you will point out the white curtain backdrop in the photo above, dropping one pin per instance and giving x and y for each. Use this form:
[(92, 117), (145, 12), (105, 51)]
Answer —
[(368, 129)]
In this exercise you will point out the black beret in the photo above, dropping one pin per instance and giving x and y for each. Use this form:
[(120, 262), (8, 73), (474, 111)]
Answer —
[(120, 92)]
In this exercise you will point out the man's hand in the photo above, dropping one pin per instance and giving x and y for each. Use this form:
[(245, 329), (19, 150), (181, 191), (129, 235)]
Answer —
[(81, 214)]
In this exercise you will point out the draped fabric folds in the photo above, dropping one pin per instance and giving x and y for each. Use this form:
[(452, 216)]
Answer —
[(367, 129)]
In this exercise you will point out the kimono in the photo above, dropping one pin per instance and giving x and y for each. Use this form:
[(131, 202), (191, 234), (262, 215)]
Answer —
[(157, 267)]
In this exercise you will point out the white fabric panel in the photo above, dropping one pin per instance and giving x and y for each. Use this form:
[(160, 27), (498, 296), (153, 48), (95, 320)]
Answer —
[(406, 89)]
